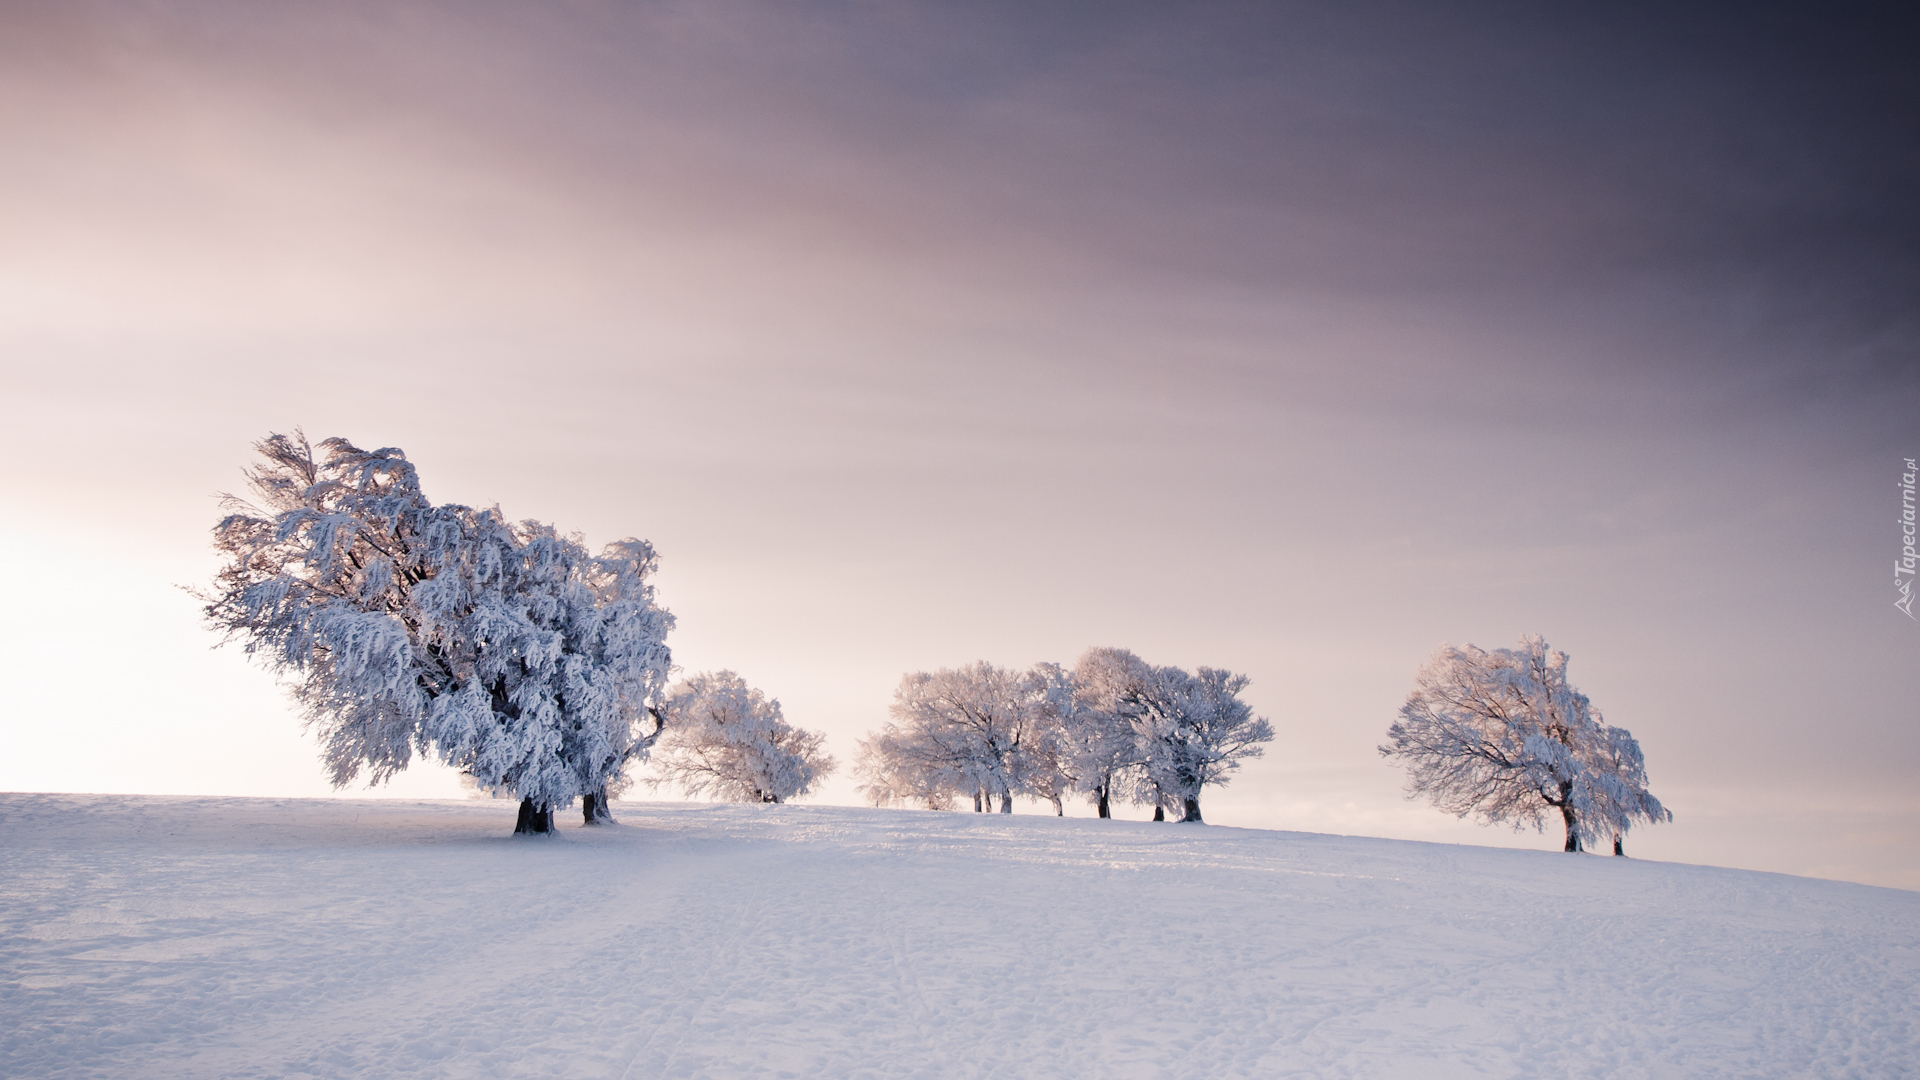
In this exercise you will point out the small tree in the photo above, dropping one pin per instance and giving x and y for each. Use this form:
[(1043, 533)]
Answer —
[(1502, 736), (727, 739)]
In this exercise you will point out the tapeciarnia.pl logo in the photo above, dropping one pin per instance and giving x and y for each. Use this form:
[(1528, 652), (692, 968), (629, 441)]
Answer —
[(1905, 563)]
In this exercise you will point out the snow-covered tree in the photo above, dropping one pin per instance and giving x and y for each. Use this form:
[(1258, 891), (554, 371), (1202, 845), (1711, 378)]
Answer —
[(964, 731), (1105, 754), (727, 739), (1617, 786), (1204, 736), (624, 638), (1187, 730), (898, 766), (977, 717), (1503, 737), (402, 627), (573, 659), (1049, 752)]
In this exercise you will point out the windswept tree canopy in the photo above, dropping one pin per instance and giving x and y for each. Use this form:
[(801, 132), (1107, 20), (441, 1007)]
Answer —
[(505, 649), (1502, 737)]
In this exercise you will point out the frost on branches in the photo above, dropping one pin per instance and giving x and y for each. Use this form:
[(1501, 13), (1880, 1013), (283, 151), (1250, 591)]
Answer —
[(1114, 726), (955, 732), (728, 740), (505, 649), (1501, 736), (1162, 734)]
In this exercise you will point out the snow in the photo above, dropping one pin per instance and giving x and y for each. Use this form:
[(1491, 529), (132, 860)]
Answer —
[(198, 937)]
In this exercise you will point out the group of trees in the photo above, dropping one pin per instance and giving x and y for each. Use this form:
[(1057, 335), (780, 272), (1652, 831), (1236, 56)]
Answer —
[(1112, 728), (540, 670), (506, 650), (1502, 736)]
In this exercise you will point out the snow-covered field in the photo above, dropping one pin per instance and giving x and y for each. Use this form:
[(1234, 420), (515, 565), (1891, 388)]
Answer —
[(162, 937)]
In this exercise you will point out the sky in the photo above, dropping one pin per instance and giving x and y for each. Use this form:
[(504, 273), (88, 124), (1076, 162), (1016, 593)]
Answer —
[(1296, 339)]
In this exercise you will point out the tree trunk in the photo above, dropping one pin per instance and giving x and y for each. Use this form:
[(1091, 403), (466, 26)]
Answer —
[(1573, 837), (976, 802), (594, 809), (533, 819), (1006, 803), (1618, 848), (1105, 807), (1191, 811), (1159, 812), (1058, 810)]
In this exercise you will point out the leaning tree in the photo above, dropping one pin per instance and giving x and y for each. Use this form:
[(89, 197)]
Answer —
[(1502, 737), (402, 627)]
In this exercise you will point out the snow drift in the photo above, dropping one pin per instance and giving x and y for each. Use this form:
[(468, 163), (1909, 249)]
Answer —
[(188, 937)]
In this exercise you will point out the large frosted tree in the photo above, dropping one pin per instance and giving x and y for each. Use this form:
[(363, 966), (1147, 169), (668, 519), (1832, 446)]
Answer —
[(402, 627), (1501, 736), (727, 739)]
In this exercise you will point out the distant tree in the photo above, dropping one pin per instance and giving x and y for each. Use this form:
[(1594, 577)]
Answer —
[(896, 767), (1617, 785), (1187, 730), (968, 723), (402, 627), (727, 739), (1105, 753), (1194, 731), (1501, 736), (981, 731), (1049, 754)]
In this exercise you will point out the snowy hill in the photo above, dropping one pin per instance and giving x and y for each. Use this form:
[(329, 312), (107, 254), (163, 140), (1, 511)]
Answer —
[(182, 937)]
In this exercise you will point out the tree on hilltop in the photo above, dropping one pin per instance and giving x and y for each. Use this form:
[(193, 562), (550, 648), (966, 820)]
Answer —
[(727, 739), (504, 649), (1189, 730), (959, 732), (1501, 736), (1105, 752)]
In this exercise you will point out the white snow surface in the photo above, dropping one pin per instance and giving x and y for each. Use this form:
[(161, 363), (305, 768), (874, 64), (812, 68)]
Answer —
[(200, 937)]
